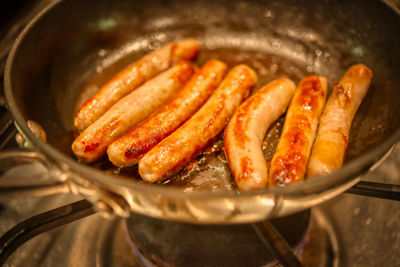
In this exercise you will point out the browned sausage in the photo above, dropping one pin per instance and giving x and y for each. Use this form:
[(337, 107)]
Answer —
[(246, 130), (171, 154), (289, 162), (132, 77), (128, 149), (92, 144), (331, 142)]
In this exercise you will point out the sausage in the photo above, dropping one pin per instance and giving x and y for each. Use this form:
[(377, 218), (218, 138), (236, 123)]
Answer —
[(132, 77), (92, 144), (331, 142), (288, 165), (246, 130), (127, 150), (178, 149)]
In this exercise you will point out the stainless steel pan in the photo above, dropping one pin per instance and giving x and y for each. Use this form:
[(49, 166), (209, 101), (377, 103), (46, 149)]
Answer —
[(73, 44)]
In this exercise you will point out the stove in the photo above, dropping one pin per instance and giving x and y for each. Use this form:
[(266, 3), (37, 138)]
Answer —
[(357, 228)]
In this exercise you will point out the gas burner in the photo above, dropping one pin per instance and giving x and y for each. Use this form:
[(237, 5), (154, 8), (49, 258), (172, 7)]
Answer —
[(179, 244), (164, 243)]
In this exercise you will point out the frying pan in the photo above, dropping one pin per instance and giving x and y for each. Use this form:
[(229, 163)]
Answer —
[(73, 45)]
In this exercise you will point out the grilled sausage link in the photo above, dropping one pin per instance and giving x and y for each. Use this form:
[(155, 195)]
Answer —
[(92, 144), (132, 77), (288, 165), (171, 154), (331, 142), (127, 150), (246, 130)]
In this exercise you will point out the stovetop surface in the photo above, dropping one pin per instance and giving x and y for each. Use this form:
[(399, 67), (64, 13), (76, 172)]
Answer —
[(367, 230)]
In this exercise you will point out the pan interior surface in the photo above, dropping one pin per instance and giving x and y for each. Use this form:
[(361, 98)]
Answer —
[(73, 49)]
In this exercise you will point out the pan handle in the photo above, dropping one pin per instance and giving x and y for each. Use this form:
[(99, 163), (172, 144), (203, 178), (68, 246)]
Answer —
[(12, 184), (15, 181), (53, 181)]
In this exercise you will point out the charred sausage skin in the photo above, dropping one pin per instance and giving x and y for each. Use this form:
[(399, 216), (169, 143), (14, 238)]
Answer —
[(288, 165), (131, 78), (246, 130), (127, 150), (179, 148), (92, 143)]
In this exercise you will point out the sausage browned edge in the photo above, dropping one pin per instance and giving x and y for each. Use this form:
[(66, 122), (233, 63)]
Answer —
[(132, 77), (288, 165), (92, 144), (127, 150), (175, 151), (245, 133), (330, 145)]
